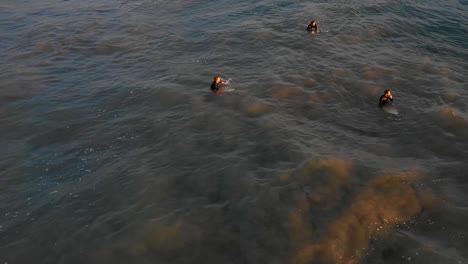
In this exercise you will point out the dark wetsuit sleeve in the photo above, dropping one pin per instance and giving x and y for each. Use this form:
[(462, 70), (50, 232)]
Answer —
[(214, 87), (384, 100)]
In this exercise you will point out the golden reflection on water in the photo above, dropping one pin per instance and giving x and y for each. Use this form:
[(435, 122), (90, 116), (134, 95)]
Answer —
[(257, 108), (453, 121), (444, 71), (448, 113), (386, 201), (164, 238), (286, 92), (336, 171), (376, 73), (433, 70), (452, 97), (322, 98)]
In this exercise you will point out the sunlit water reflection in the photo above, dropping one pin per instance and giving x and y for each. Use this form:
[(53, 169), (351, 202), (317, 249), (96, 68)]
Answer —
[(115, 151)]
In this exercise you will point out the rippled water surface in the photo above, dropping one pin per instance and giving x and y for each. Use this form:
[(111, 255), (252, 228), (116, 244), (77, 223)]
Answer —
[(113, 149)]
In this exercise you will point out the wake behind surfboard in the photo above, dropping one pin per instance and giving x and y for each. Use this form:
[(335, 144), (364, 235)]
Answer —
[(390, 109)]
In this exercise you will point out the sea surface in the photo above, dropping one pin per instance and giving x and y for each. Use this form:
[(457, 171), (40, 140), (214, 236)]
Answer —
[(114, 150)]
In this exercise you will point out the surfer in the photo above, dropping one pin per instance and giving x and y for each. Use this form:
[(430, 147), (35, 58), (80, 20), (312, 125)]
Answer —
[(216, 85), (386, 98), (312, 27)]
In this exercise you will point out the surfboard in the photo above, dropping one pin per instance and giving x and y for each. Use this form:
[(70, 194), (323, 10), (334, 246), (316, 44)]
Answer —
[(390, 109), (227, 83)]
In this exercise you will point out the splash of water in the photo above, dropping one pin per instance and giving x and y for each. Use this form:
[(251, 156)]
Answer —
[(228, 81)]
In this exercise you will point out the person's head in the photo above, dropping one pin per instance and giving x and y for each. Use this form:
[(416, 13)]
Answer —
[(313, 23), (388, 93), (217, 79)]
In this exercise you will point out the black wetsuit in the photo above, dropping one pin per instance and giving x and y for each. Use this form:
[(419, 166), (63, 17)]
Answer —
[(311, 28), (215, 86), (384, 100)]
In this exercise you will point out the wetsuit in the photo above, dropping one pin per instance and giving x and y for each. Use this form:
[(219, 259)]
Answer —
[(384, 100), (216, 86), (311, 28)]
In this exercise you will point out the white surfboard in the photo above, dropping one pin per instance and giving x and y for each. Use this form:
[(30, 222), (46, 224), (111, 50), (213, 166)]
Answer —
[(390, 109), (228, 90)]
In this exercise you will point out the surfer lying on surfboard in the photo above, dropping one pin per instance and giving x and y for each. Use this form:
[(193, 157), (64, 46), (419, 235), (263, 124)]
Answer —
[(217, 85), (386, 98)]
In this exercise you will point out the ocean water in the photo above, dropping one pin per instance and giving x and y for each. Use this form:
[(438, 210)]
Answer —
[(113, 149)]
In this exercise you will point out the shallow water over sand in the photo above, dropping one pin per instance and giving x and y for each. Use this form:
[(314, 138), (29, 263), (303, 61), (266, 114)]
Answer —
[(114, 150)]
